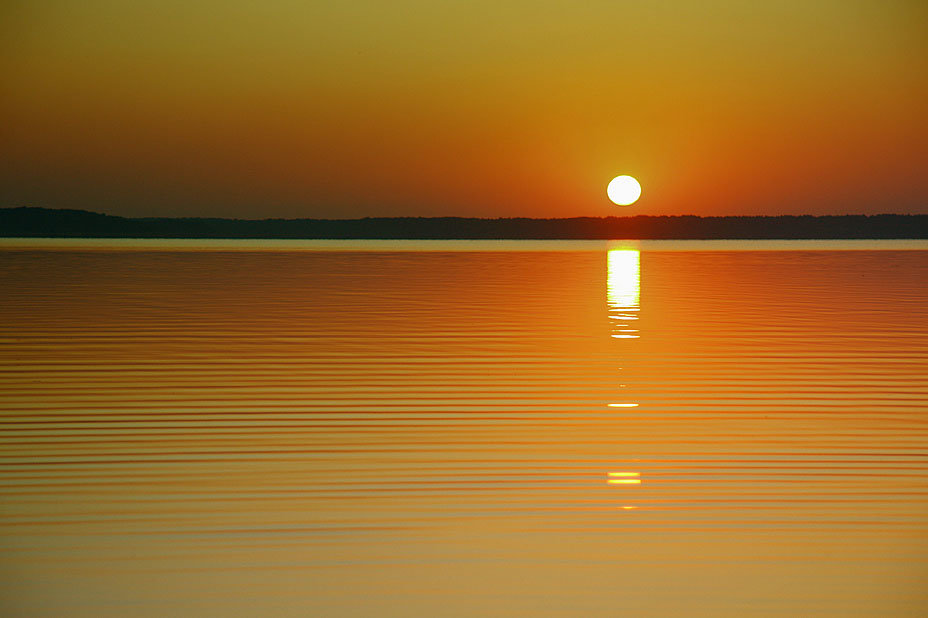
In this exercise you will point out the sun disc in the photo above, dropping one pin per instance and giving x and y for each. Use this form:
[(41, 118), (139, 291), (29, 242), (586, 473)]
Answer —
[(623, 190)]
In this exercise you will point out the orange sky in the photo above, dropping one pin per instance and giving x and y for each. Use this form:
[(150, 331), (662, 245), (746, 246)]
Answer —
[(482, 108)]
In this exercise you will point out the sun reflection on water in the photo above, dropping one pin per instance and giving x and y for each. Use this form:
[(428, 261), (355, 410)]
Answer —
[(624, 478), (623, 300), (623, 291), (623, 297)]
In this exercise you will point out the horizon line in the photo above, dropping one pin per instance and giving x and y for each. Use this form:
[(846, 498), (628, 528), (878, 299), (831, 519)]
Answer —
[(466, 217)]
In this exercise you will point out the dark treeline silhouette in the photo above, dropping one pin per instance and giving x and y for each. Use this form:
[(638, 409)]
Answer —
[(52, 223)]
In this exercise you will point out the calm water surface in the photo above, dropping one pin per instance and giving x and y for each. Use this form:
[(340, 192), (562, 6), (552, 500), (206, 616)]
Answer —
[(461, 429)]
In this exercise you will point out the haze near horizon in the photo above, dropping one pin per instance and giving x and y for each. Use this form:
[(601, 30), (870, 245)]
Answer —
[(287, 109)]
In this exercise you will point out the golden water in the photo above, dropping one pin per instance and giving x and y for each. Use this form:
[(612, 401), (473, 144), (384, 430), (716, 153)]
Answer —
[(222, 428)]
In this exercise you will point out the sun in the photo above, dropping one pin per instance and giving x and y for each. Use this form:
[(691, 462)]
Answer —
[(623, 190)]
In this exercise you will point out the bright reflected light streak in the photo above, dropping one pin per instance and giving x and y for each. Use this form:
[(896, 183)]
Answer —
[(624, 478), (623, 280), (623, 405), (623, 290)]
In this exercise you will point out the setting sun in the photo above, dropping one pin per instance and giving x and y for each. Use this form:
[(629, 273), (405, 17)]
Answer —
[(623, 190)]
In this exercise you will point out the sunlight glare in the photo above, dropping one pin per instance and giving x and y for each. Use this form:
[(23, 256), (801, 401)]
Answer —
[(624, 478), (623, 190), (623, 290)]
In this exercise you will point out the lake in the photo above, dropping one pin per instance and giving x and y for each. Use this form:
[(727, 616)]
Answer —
[(455, 428)]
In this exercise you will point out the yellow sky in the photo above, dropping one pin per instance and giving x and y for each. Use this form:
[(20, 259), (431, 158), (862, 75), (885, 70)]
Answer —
[(343, 109)]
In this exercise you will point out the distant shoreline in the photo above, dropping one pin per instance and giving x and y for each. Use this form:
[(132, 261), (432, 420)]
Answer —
[(29, 222)]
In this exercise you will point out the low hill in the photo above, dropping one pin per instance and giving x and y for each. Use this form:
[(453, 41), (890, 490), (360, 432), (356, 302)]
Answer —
[(52, 223)]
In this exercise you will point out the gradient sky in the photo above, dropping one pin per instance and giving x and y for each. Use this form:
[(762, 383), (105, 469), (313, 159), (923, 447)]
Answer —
[(482, 108)]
